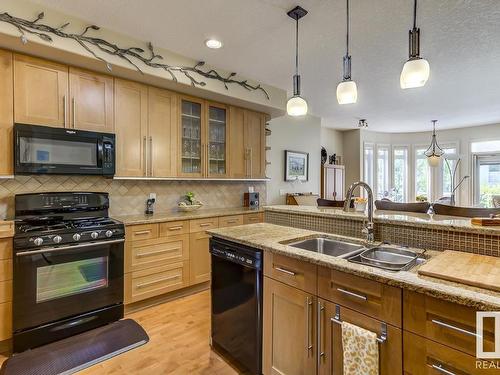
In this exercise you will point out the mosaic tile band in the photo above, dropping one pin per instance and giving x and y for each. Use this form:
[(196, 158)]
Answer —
[(431, 239)]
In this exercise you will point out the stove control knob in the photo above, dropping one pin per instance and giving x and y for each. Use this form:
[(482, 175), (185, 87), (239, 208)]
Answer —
[(109, 233), (57, 239), (94, 235), (38, 241), (76, 237)]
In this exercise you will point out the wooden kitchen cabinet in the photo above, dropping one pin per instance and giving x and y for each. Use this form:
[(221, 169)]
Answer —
[(289, 333), (6, 113), (199, 254), (247, 143), (294, 272), (162, 133), (217, 149), (40, 92), (330, 339), (131, 124), (91, 101), (192, 144), (5, 288)]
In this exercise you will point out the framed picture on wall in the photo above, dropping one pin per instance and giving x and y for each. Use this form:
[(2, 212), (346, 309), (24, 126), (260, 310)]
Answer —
[(296, 166)]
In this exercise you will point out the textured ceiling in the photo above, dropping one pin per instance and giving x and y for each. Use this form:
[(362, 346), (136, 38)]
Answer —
[(460, 38)]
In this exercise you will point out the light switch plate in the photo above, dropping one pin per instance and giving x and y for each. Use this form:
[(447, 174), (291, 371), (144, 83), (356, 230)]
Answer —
[(282, 192)]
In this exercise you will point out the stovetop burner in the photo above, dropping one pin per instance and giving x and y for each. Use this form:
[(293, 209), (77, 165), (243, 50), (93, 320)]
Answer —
[(46, 225)]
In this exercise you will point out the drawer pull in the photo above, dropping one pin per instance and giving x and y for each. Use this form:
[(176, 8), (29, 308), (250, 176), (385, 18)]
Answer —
[(142, 255), (364, 298), (205, 225), (441, 369), (288, 272), (231, 221), (142, 232), (144, 285), (175, 228), (457, 329)]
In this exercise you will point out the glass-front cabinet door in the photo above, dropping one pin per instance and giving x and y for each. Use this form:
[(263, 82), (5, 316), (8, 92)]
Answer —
[(217, 140), (192, 135)]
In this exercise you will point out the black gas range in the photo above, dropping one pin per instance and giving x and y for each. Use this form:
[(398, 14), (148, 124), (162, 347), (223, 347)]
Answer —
[(68, 266)]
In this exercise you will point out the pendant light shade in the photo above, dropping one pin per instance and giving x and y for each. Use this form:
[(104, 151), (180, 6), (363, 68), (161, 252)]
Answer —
[(347, 90), (416, 70), (296, 105), (434, 152)]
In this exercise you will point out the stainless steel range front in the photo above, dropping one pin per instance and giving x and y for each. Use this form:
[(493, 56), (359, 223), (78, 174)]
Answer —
[(68, 266)]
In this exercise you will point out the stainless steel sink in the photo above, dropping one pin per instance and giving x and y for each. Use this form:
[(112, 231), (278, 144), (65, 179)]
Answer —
[(388, 257), (329, 246)]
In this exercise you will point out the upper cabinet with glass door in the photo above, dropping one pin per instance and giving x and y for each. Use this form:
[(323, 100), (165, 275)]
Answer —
[(192, 135), (217, 140)]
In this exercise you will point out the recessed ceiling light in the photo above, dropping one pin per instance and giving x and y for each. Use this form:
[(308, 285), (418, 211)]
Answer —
[(213, 43)]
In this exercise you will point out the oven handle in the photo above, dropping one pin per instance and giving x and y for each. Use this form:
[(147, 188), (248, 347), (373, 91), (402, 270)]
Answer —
[(52, 249)]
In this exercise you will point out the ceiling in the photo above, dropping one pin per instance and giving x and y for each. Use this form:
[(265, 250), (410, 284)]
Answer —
[(460, 39)]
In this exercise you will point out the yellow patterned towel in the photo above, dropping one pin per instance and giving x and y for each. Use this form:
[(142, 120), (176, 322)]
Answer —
[(360, 349)]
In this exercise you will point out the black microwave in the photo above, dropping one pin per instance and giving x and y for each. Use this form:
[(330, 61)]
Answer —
[(48, 150)]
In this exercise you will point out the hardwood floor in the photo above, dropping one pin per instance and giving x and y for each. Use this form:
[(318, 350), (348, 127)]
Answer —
[(178, 332)]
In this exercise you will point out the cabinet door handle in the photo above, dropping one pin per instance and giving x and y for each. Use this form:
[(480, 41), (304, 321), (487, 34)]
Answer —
[(144, 154), (441, 369), (150, 156), (64, 111), (73, 104), (284, 270), (251, 162), (142, 232), (203, 225), (175, 228), (309, 325), (143, 285), (457, 329), (355, 295), (321, 353)]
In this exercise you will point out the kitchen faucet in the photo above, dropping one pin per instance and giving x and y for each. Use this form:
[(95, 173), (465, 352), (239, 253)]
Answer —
[(368, 229)]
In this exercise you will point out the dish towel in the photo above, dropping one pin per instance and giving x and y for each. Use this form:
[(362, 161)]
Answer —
[(361, 353)]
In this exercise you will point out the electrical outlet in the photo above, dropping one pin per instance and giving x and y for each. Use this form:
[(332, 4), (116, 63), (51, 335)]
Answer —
[(152, 196), (282, 192)]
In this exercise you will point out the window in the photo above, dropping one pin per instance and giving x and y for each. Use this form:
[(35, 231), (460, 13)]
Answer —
[(422, 175), (447, 168), (400, 174), (382, 172), (368, 164), (486, 179)]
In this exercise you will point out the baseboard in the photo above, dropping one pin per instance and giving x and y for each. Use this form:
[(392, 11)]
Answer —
[(158, 300)]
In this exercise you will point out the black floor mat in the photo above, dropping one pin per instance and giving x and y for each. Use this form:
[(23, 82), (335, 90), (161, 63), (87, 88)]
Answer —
[(77, 352)]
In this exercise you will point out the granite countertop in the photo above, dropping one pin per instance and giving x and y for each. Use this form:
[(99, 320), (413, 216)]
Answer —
[(270, 237), (175, 215), (412, 219)]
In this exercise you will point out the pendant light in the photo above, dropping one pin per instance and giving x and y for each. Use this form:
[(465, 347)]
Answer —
[(347, 91), (296, 105), (434, 152), (416, 70)]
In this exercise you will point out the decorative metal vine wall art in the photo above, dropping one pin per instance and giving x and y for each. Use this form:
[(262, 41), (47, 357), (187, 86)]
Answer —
[(132, 55)]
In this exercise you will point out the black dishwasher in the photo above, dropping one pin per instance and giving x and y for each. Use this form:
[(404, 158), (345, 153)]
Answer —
[(237, 303)]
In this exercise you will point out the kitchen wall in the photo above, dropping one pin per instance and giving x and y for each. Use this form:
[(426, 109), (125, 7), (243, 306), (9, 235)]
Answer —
[(332, 141), (129, 196), (296, 134), (352, 156)]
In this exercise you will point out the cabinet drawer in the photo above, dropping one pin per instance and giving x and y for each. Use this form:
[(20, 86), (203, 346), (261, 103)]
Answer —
[(174, 228), (154, 281), (293, 272), (230, 221), (330, 339), (369, 297), (257, 217), (5, 291), (5, 269), (201, 225), (423, 356), (6, 248), (149, 253), (445, 322), (5, 320), (142, 232)]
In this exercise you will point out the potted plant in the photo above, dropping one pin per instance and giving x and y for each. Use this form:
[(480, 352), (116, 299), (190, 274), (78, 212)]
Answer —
[(189, 202)]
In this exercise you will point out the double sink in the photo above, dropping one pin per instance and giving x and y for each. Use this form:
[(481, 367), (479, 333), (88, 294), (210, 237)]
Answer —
[(387, 257)]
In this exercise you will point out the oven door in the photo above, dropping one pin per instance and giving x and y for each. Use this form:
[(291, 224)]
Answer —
[(42, 150), (55, 283)]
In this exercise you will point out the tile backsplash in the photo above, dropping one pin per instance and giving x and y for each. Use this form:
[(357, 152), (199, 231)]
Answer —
[(129, 196)]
